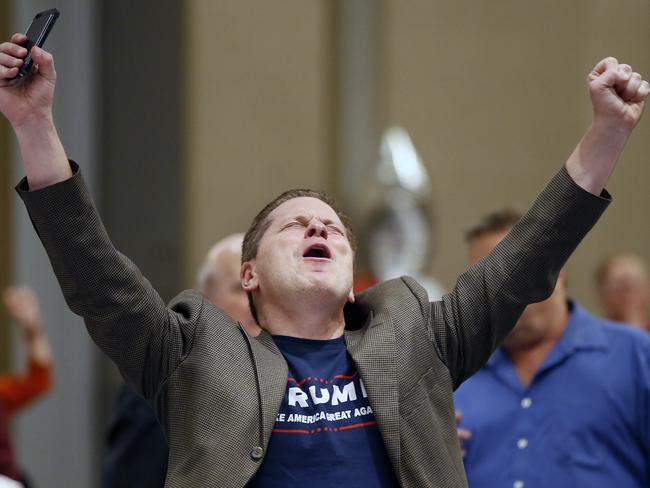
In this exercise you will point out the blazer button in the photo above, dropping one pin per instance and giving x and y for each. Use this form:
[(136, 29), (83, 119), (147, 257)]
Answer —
[(257, 453)]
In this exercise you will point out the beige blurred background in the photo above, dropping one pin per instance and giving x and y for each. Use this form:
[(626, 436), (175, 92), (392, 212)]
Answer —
[(493, 95), (204, 110)]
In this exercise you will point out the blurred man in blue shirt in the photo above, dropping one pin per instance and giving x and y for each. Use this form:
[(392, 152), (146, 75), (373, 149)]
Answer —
[(564, 402)]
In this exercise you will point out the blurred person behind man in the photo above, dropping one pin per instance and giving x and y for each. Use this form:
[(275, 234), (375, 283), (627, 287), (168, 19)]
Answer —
[(18, 390), (136, 446), (624, 289), (564, 402)]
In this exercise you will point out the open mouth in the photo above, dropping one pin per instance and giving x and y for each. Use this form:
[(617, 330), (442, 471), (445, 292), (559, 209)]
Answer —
[(317, 251)]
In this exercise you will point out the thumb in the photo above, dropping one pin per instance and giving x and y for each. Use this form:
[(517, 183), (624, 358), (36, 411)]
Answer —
[(45, 63), (604, 73), (608, 78)]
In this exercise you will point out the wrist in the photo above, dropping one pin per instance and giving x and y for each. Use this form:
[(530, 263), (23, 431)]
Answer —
[(604, 141), (608, 130), (594, 158), (35, 124), (44, 158)]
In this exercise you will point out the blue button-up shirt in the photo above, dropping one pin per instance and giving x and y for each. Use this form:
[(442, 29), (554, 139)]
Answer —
[(584, 420)]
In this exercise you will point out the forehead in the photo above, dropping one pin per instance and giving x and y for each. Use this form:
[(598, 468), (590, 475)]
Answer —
[(624, 267), (304, 207)]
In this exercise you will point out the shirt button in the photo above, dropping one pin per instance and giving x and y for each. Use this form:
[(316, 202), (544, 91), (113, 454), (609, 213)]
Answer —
[(522, 444), (518, 484), (526, 402), (257, 453)]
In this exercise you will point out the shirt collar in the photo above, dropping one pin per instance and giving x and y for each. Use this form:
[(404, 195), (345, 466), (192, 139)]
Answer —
[(583, 330)]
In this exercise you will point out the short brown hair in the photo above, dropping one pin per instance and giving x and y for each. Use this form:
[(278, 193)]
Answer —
[(261, 223), (493, 222)]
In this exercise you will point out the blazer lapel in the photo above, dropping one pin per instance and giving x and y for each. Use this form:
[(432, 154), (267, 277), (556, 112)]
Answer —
[(272, 374), (374, 352)]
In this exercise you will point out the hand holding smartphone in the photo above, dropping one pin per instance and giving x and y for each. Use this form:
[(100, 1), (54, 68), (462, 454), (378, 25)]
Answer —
[(37, 33)]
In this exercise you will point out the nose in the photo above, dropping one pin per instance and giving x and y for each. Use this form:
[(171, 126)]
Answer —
[(316, 229)]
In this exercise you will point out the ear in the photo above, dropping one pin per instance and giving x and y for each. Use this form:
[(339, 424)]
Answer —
[(248, 276), (351, 296)]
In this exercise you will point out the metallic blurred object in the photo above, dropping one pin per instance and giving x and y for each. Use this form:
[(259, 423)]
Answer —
[(400, 238), (400, 166)]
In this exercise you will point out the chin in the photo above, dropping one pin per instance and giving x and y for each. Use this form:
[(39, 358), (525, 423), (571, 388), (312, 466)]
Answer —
[(328, 286), (523, 336), (322, 287)]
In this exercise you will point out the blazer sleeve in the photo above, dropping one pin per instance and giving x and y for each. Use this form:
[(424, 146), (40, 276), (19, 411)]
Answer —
[(470, 322), (124, 315)]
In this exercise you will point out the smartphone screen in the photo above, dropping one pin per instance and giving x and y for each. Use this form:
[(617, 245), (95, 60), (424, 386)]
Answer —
[(36, 34)]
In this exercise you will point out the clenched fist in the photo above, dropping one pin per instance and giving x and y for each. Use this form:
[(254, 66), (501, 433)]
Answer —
[(617, 93)]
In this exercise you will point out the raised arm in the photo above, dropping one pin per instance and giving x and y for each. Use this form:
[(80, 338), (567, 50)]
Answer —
[(23, 308), (27, 105), (124, 315), (617, 96), (472, 320), (17, 391)]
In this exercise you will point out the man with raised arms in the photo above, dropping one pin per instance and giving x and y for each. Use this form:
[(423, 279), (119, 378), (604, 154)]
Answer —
[(220, 393)]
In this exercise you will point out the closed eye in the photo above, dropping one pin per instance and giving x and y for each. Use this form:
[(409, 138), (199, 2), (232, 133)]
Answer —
[(335, 229), (292, 224)]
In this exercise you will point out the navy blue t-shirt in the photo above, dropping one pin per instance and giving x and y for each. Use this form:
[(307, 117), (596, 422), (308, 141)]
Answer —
[(325, 434)]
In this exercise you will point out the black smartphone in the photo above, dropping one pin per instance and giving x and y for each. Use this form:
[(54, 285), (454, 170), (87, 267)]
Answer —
[(37, 32)]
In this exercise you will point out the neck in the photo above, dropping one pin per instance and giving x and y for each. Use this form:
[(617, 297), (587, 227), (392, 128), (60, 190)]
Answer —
[(303, 318), (637, 318), (527, 361)]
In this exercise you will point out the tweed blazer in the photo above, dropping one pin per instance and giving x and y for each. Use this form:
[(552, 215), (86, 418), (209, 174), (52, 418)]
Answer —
[(217, 391)]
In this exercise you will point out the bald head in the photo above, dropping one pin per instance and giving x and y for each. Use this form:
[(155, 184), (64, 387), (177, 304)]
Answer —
[(624, 289), (217, 261), (218, 280)]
